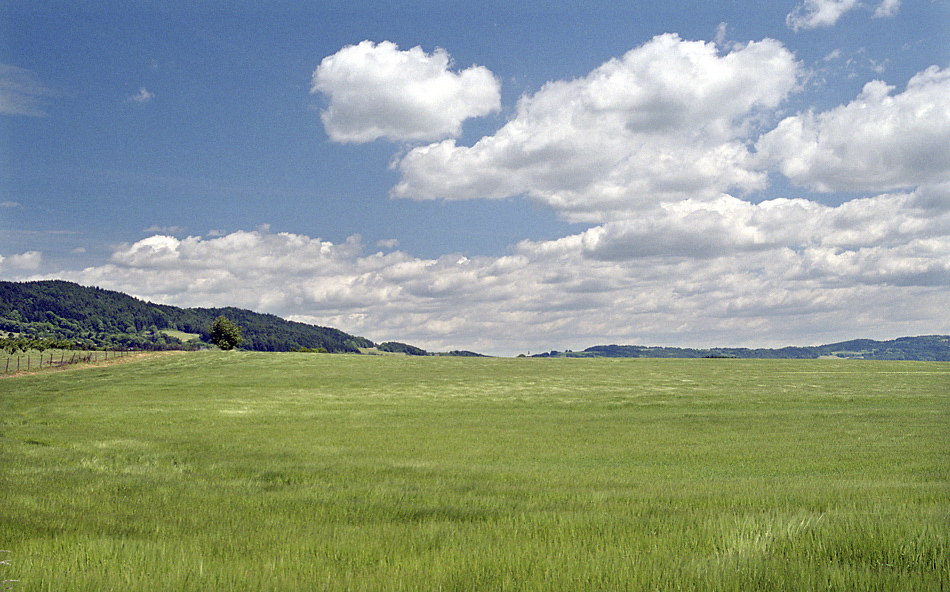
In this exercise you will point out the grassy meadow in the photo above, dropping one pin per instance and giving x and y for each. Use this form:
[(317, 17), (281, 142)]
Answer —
[(262, 471)]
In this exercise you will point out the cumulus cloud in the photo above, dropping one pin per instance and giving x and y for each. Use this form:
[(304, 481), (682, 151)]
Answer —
[(729, 226), (378, 91), (28, 261), (21, 92), (654, 150), (667, 121), (878, 142), (722, 271)]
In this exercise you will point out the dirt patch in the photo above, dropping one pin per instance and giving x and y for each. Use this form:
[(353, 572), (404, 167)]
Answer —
[(132, 357)]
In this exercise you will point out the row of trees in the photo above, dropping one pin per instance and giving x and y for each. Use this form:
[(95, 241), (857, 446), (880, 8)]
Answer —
[(224, 334), (12, 345)]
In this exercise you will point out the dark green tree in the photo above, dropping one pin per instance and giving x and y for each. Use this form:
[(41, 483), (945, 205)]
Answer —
[(10, 345), (225, 334)]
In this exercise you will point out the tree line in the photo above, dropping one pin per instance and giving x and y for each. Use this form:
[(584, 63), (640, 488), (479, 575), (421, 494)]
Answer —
[(13, 345)]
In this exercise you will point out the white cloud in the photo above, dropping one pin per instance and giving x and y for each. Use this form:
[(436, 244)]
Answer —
[(21, 92), (729, 226), (878, 142), (652, 150), (10, 204), (143, 96), (812, 14), (377, 91), (721, 271), (667, 121), (832, 55), (887, 8), (28, 261), (721, 31), (165, 229)]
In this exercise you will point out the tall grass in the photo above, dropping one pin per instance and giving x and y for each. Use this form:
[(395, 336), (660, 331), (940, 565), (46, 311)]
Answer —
[(248, 471)]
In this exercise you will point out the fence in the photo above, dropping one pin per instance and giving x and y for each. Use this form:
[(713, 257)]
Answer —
[(29, 362)]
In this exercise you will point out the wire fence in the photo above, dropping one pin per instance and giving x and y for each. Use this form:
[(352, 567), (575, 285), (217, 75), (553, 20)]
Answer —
[(30, 361)]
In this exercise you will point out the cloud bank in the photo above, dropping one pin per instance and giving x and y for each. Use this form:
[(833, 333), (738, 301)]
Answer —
[(721, 271), (663, 153)]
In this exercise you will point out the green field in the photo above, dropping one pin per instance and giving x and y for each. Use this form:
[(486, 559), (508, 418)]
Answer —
[(185, 337), (254, 471)]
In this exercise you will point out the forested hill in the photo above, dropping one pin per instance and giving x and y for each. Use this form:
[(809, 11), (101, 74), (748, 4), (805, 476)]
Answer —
[(924, 348), (103, 318)]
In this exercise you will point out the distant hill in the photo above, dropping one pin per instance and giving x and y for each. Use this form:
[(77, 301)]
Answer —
[(103, 318), (924, 348), (401, 348)]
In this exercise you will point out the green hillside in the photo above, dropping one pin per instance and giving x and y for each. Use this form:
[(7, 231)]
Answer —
[(102, 318)]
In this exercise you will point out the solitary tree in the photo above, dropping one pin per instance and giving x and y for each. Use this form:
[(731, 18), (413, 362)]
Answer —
[(225, 334)]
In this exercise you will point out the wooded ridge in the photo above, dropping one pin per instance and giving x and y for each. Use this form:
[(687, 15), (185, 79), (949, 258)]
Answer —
[(923, 348), (97, 318)]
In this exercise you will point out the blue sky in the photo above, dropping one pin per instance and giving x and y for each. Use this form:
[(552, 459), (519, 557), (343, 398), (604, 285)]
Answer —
[(490, 176)]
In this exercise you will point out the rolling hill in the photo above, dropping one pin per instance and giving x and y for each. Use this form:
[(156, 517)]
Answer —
[(104, 318), (924, 348)]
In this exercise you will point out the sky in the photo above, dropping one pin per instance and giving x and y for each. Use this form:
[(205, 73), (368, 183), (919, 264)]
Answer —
[(491, 176)]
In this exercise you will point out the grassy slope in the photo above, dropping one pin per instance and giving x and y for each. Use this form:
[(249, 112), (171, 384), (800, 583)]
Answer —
[(181, 334), (214, 471)]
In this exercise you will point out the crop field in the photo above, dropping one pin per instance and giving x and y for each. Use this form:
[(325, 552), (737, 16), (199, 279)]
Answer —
[(263, 471)]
